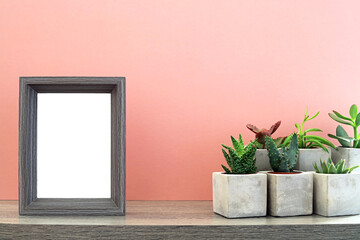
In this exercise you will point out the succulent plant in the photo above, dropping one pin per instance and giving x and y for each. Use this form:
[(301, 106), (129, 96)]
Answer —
[(329, 167), (241, 159), (261, 134), (283, 160), (309, 141), (341, 134)]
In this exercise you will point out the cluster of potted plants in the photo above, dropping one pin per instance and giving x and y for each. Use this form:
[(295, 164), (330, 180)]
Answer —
[(280, 176)]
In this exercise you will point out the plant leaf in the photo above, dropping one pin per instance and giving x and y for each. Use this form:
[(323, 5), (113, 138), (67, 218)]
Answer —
[(314, 116), (340, 166), (344, 141), (321, 140), (332, 169), (340, 120), (353, 168), (313, 130), (237, 146), (353, 111), (316, 167), (226, 169), (316, 143), (324, 167), (342, 116), (357, 121)]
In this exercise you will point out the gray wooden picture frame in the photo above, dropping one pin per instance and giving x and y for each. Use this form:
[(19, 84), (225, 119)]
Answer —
[(29, 204)]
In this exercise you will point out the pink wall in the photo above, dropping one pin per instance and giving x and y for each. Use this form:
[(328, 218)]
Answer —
[(197, 72)]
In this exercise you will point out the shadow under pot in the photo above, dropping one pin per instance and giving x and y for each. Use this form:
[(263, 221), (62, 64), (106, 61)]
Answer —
[(307, 157), (290, 194), (239, 195), (336, 194), (351, 156)]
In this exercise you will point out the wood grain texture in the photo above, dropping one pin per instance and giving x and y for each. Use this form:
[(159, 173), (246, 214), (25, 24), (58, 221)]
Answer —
[(172, 220), (29, 204)]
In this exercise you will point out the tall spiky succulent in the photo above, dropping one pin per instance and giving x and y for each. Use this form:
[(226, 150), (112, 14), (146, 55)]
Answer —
[(241, 159), (261, 134), (283, 160)]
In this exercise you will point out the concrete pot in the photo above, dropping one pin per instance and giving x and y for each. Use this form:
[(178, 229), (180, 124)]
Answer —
[(336, 194), (239, 195), (290, 194), (351, 156), (262, 160), (307, 156)]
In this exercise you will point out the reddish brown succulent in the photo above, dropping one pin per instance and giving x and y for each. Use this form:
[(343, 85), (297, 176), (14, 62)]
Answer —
[(260, 134)]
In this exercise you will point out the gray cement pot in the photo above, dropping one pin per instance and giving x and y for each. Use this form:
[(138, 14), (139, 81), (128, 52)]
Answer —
[(307, 156), (290, 194), (351, 156), (336, 194), (239, 195), (262, 160)]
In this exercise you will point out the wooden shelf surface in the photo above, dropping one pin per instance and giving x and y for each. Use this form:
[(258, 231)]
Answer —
[(173, 219)]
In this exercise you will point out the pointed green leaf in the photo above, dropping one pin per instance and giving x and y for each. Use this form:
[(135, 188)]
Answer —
[(228, 159), (226, 169), (297, 126), (332, 169), (353, 111), (241, 142), (237, 146), (324, 167), (227, 147), (316, 167), (342, 116), (340, 167), (314, 116), (353, 168), (340, 120)]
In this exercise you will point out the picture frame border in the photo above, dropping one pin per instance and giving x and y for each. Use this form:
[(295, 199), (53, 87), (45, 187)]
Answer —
[(29, 204)]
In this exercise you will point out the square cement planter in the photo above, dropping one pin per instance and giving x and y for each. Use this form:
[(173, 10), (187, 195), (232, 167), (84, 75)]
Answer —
[(307, 156), (336, 194), (239, 195), (351, 156), (262, 160), (290, 194)]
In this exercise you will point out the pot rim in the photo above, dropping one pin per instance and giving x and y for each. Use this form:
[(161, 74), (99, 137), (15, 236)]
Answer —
[(231, 174), (348, 148), (312, 149), (337, 174)]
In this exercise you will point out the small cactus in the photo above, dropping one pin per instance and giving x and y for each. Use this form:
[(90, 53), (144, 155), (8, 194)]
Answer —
[(261, 134), (283, 160)]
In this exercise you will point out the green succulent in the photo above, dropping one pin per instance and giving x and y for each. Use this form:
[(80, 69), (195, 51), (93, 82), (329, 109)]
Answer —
[(241, 158), (283, 160), (309, 141), (353, 121), (329, 167)]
